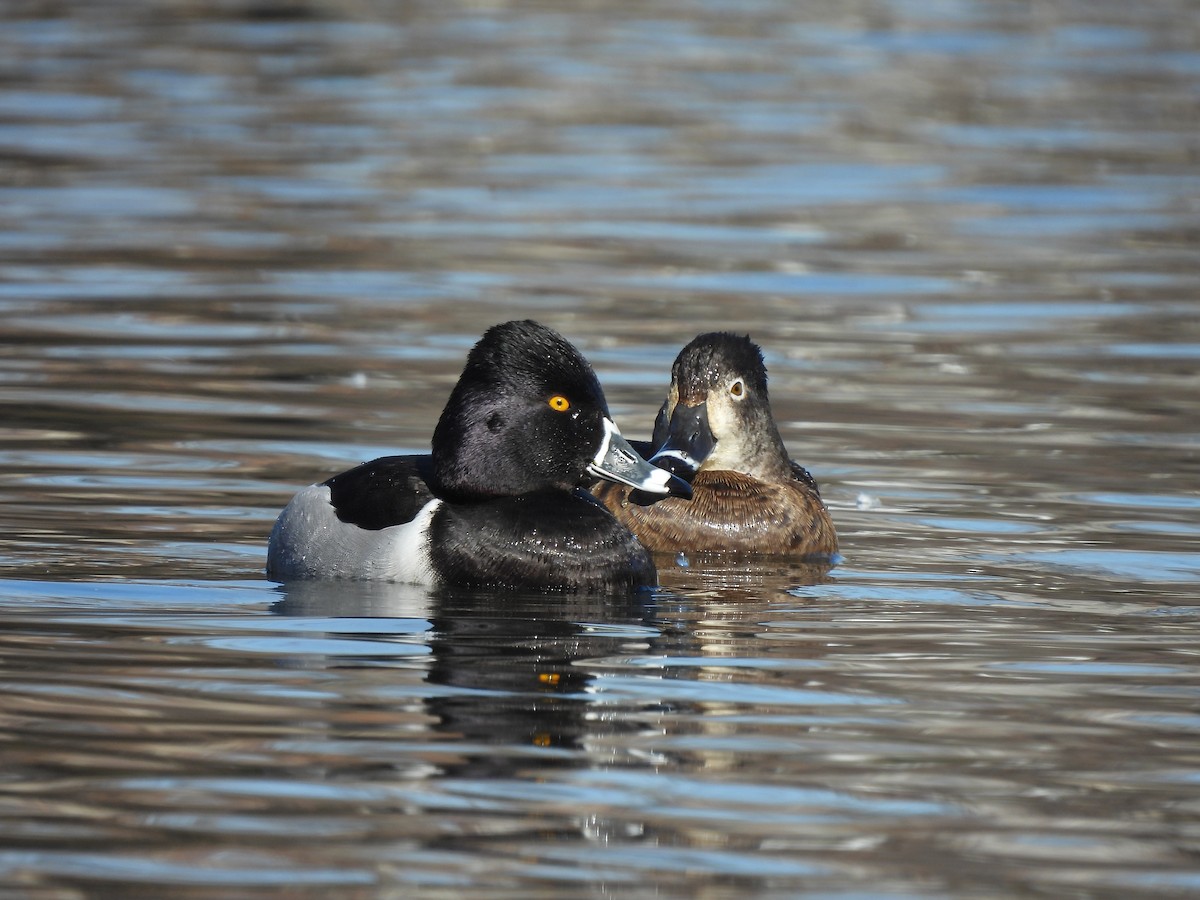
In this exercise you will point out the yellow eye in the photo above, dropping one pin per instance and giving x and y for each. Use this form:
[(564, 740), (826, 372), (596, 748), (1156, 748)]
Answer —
[(559, 403), (737, 389)]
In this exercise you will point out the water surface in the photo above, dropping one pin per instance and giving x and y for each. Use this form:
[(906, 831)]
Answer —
[(244, 248)]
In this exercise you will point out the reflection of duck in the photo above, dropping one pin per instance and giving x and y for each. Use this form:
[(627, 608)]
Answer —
[(716, 429), (502, 669), (516, 673), (497, 502), (743, 578)]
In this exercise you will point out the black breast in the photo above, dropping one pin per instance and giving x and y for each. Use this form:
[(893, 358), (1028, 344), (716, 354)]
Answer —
[(541, 541)]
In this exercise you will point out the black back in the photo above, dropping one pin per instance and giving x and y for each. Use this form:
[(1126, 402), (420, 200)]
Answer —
[(387, 491)]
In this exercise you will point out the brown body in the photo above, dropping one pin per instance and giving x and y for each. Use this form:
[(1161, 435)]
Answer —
[(729, 511), (716, 429)]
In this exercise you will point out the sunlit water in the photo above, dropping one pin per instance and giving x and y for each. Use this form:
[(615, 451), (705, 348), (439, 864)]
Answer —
[(242, 250)]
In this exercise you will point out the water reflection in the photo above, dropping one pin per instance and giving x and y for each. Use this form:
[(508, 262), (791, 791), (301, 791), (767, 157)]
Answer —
[(507, 664), (244, 245), (514, 670)]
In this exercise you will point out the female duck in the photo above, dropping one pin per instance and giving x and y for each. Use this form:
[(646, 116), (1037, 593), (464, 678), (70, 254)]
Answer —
[(716, 430), (498, 502)]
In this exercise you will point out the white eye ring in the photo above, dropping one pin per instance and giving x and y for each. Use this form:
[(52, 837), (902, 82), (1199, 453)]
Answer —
[(737, 390)]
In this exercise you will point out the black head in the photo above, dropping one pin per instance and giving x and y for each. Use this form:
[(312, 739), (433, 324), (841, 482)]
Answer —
[(527, 415)]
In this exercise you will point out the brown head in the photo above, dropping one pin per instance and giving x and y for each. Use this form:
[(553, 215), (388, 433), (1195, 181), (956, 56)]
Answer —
[(717, 415)]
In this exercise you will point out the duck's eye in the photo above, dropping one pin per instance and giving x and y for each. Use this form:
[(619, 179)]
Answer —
[(737, 390), (559, 403)]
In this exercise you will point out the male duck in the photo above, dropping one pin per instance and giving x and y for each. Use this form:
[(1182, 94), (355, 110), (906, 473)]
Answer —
[(498, 503), (716, 429)]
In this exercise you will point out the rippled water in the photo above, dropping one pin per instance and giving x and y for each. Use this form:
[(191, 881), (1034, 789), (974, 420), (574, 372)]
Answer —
[(246, 245)]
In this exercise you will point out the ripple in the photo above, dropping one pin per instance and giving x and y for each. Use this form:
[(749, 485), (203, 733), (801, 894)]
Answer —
[(1138, 501), (1147, 566), (242, 245), (228, 868)]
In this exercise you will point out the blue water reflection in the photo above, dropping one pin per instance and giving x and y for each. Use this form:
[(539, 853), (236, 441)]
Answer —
[(245, 246)]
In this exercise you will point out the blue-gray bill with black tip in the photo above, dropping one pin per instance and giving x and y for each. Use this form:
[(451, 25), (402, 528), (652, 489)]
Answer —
[(619, 462)]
